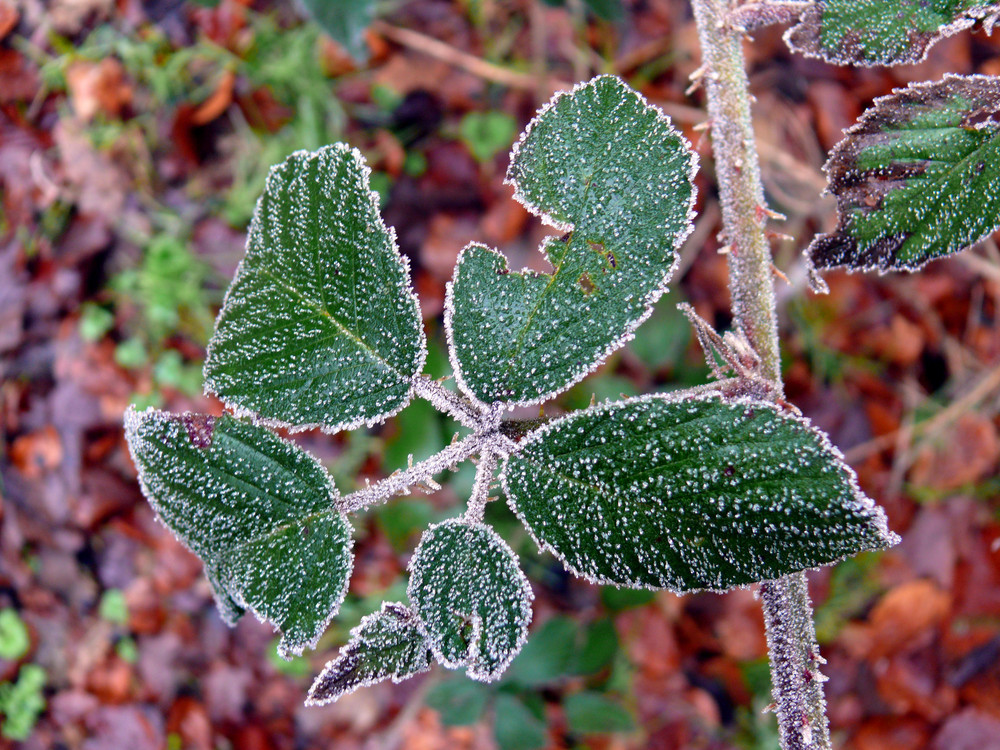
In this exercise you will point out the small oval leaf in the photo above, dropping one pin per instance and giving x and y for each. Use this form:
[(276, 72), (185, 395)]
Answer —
[(607, 168), (386, 645), (689, 494), (917, 178), (259, 512), (473, 601), (883, 32), (320, 327)]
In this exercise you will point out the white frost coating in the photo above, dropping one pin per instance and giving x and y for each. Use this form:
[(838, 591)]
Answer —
[(386, 645), (806, 36), (237, 371), (448, 402), (258, 510), (473, 600), (589, 363), (846, 180), (634, 557)]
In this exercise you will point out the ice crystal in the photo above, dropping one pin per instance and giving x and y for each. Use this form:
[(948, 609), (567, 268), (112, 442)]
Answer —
[(918, 177), (883, 32), (688, 494), (320, 326), (258, 511), (386, 645), (473, 601), (608, 169)]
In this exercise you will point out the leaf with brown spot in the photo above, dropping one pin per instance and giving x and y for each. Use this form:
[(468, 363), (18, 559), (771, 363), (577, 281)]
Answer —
[(917, 178)]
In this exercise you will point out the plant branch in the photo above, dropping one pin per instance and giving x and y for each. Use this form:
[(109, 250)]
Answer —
[(794, 655), (451, 403), (400, 481), (481, 488)]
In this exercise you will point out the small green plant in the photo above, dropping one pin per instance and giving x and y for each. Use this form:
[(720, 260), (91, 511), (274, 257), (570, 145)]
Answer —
[(14, 639), (708, 488), (21, 702)]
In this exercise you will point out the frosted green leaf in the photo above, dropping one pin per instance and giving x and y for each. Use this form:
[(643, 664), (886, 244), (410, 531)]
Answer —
[(689, 494), (606, 168), (320, 327), (883, 32), (473, 601), (258, 510), (345, 21), (917, 178), (386, 645)]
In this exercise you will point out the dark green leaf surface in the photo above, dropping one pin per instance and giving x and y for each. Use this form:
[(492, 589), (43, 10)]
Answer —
[(459, 701), (609, 170), (258, 510), (883, 32), (320, 326), (689, 494), (386, 645), (594, 713), (345, 21), (515, 727), (917, 178), (472, 598)]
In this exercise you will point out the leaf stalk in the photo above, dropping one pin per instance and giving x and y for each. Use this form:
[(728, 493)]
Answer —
[(794, 655)]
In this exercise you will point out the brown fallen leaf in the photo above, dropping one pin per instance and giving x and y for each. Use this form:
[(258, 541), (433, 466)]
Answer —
[(8, 17), (904, 614), (98, 88), (217, 102), (37, 452), (968, 454)]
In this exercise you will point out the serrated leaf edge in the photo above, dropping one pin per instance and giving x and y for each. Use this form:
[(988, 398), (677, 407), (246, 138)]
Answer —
[(333, 664), (864, 503), (844, 143), (651, 297), (989, 15), (527, 596), (404, 262), (285, 647)]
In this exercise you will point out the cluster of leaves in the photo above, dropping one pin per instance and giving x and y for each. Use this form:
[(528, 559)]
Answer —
[(21, 701), (320, 328)]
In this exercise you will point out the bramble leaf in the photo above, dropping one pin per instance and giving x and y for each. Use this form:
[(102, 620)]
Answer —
[(609, 170), (883, 32), (386, 645), (472, 599), (917, 178), (345, 21), (689, 494), (320, 326), (258, 510)]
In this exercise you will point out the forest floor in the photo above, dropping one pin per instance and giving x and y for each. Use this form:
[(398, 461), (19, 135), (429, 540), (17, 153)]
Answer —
[(134, 139)]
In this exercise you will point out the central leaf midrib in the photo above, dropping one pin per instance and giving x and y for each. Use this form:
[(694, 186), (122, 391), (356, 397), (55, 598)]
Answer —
[(327, 315)]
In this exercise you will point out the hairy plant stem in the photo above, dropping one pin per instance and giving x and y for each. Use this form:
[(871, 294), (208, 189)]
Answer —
[(794, 655)]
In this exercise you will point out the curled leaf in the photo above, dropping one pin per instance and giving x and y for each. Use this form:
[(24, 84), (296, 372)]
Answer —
[(386, 645), (917, 178)]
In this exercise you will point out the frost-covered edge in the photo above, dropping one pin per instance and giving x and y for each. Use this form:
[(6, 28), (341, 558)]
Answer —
[(835, 154), (864, 502), (527, 596), (345, 652), (651, 297), (132, 419), (812, 19), (404, 262)]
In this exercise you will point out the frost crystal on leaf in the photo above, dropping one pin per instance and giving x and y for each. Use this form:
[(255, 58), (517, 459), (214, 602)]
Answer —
[(386, 645), (256, 509), (320, 326), (609, 170), (473, 601), (917, 178), (689, 494), (883, 32)]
